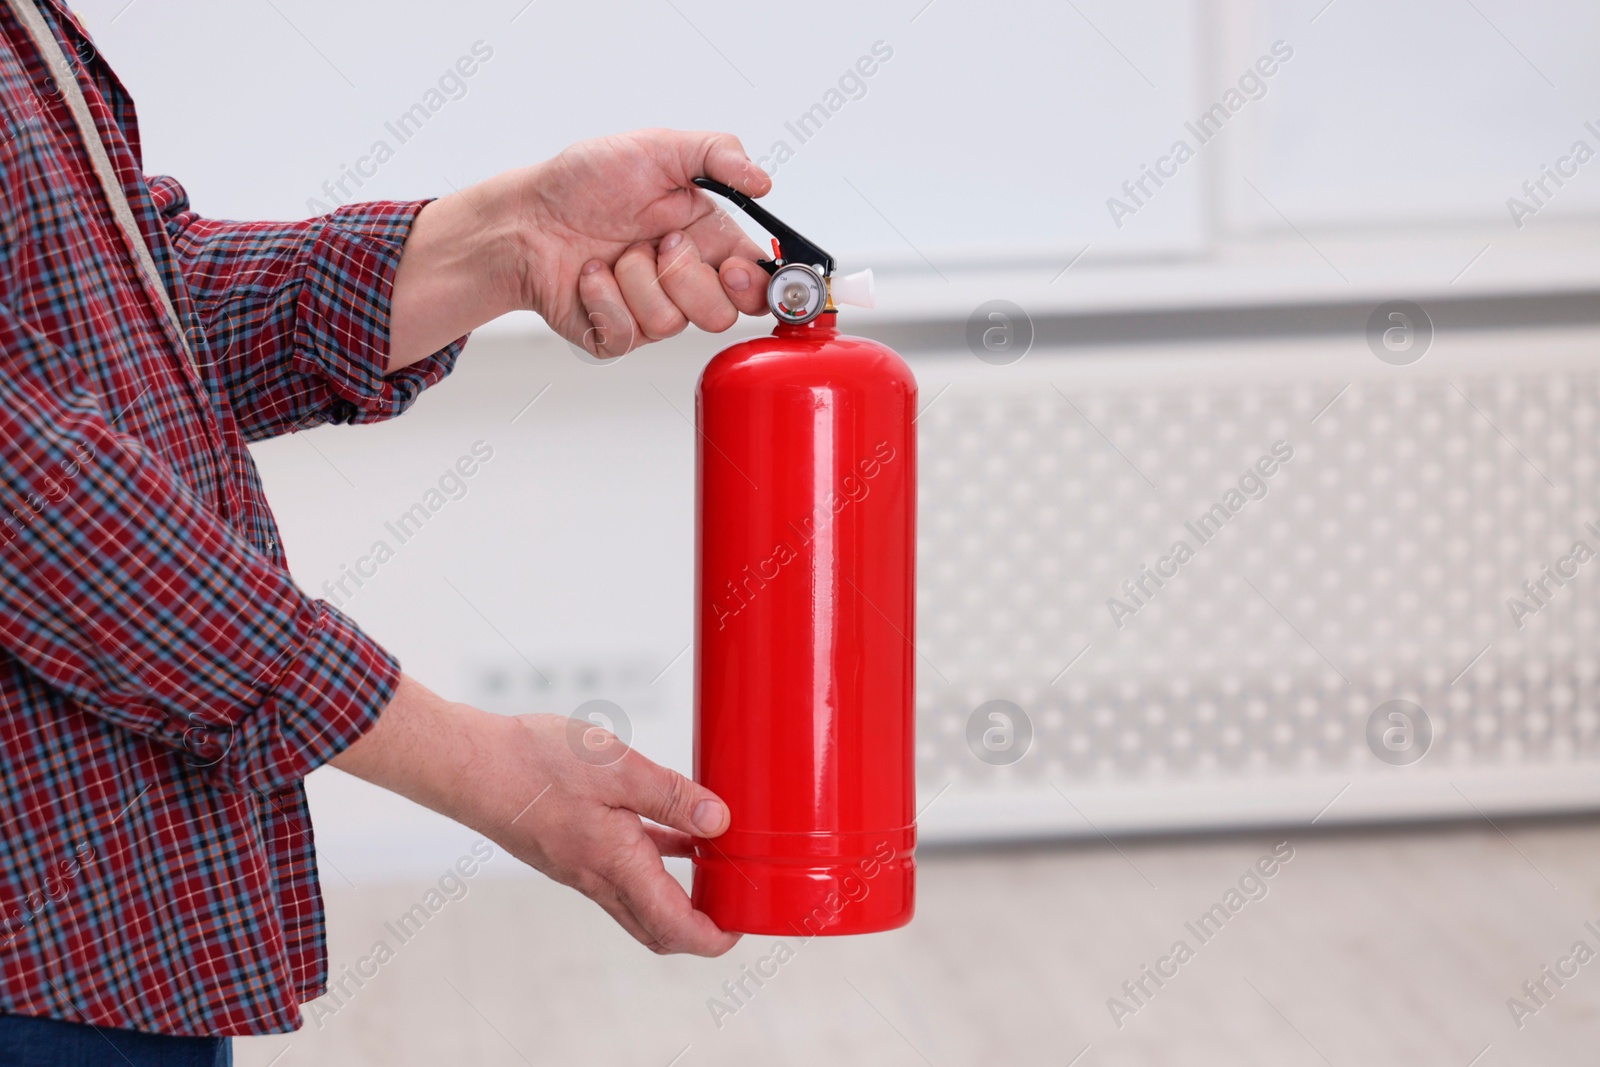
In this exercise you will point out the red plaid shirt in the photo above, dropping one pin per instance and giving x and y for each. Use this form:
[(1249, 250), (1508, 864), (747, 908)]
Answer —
[(164, 686)]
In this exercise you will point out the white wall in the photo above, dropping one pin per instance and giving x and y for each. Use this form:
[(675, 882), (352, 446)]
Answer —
[(995, 130), (945, 138)]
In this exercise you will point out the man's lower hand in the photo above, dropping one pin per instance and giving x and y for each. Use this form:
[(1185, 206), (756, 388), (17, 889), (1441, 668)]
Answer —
[(577, 813)]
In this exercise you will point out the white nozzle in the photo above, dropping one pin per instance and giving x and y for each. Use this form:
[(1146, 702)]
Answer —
[(855, 289)]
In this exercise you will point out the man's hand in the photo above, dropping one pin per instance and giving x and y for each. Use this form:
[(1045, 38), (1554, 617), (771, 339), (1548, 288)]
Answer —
[(577, 813), (626, 250), (609, 241)]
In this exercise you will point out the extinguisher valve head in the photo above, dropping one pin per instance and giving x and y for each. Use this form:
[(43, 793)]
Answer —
[(856, 289)]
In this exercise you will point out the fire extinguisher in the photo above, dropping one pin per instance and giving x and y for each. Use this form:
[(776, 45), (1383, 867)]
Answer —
[(805, 589)]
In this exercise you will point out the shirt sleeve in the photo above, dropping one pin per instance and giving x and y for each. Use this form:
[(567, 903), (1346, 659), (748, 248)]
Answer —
[(122, 589), (297, 313)]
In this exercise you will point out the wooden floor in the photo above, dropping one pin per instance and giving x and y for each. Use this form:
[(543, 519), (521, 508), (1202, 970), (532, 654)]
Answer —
[(1368, 948)]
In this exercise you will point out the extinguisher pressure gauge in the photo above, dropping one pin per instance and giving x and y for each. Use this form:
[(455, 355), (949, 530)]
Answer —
[(801, 285), (796, 293)]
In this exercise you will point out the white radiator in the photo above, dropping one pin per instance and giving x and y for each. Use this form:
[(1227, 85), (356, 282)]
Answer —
[(1242, 690)]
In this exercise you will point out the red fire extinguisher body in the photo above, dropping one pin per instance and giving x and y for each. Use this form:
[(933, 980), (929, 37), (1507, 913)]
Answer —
[(804, 662)]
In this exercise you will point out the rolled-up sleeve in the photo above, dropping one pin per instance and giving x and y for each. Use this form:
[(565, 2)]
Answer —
[(297, 313), (122, 589)]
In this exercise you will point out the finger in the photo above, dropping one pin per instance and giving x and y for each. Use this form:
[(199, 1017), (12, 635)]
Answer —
[(661, 906), (612, 331), (670, 842), (725, 246), (717, 237), (721, 157), (658, 317), (745, 284), (667, 797), (614, 907), (693, 285)]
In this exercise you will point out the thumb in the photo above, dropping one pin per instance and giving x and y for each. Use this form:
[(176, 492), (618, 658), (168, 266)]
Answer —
[(720, 156), (667, 797)]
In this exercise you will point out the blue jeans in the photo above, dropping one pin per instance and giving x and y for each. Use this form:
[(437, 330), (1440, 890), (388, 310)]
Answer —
[(29, 1042)]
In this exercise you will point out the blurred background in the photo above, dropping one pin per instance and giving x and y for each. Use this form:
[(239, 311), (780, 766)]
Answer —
[(1129, 249)]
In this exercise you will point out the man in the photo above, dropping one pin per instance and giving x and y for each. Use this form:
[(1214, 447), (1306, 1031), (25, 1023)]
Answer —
[(164, 686)]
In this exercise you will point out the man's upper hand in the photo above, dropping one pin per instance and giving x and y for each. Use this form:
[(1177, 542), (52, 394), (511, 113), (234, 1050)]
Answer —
[(610, 242), (622, 249)]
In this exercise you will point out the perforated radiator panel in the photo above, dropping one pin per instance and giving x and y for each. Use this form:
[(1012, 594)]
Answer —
[(1373, 565)]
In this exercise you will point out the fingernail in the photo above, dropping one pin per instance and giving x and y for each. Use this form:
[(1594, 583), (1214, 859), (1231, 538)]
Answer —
[(709, 816), (738, 279), (592, 266), (670, 241)]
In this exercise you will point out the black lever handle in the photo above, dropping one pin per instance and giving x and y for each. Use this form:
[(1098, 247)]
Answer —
[(792, 246)]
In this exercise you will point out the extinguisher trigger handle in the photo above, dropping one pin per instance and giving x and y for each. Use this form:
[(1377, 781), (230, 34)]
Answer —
[(767, 265), (796, 248)]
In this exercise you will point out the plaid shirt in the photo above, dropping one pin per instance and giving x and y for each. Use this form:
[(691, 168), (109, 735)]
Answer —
[(164, 686)]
